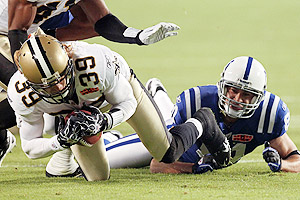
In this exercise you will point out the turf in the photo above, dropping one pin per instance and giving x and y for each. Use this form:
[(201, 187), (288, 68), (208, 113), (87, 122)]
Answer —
[(212, 33)]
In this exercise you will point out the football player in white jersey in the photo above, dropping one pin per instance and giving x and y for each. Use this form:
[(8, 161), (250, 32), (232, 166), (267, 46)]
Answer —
[(52, 81), (32, 13), (247, 114)]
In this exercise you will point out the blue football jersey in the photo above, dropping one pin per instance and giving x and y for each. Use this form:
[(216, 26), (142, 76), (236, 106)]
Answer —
[(270, 120), (58, 21)]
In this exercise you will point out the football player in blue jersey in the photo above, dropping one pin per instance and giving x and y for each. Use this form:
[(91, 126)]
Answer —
[(247, 114)]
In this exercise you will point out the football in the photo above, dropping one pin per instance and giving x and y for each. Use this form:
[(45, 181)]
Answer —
[(90, 140), (86, 140)]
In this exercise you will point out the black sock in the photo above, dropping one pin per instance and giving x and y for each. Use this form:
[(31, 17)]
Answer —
[(184, 136)]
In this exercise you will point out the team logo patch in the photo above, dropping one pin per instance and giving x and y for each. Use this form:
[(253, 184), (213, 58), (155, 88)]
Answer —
[(108, 61), (89, 90), (242, 138)]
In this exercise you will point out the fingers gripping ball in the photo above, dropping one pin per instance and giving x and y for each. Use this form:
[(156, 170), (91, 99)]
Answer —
[(88, 125)]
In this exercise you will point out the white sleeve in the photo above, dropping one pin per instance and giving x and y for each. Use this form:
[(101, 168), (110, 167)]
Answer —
[(33, 144), (121, 97)]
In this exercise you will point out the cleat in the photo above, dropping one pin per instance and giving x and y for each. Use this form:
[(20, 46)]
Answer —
[(153, 85), (213, 138), (77, 174), (111, 136), (9, 144)]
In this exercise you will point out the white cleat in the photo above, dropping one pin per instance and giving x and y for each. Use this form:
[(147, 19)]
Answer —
[(153, 85), (8, 146)]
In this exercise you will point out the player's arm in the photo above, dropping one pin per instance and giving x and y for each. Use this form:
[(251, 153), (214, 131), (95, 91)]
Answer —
[(78, 29), (123, 102), (111, 28), (68, 132), (172, 168), (21, 14), (281, 153), (289, 155), (33, 143)]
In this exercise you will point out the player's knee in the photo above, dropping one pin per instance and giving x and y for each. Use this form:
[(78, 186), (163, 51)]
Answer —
[(170, 155), (213, 137), (183, 137), (211, 130)]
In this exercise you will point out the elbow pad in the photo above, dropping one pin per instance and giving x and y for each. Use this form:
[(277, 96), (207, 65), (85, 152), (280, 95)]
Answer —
[(111, 28)]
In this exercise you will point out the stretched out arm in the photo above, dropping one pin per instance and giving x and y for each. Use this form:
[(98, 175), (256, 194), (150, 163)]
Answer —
[(94, 19), (284, 145)]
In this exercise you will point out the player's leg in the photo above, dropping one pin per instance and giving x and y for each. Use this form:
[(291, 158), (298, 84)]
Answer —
[(111, 136), (93, 161), (148, 122), (168, 146), (7, 143), (7, 69), (160, 96), (127, 152), (62, 164), (7, 116)]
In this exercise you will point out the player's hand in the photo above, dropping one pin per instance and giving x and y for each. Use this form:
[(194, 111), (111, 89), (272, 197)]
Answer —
[(68, 133), (272, 157), (92, 119), (158, 32), (202, 168), (205, 164)]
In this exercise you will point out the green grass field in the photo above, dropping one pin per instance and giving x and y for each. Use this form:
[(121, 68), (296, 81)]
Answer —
[(212, 33)]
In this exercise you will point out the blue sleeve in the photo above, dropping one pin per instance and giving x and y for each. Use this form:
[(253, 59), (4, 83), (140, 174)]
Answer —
[(191, 100), (180, 112), (282, 119), (61, 20)]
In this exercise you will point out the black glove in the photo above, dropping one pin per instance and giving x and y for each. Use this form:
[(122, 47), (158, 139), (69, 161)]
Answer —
[(272, 157), (104, 121), (70, 132), (90, 120), (205, 164)]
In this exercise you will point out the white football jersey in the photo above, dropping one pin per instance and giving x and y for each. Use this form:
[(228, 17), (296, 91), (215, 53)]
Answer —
[(45, 10), (3, 17), (97, 70)]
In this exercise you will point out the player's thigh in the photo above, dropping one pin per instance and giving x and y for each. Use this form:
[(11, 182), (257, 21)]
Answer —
[(148, 123), (7, 68)]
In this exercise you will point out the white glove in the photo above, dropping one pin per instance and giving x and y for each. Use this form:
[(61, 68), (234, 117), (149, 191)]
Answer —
[(158, 32)]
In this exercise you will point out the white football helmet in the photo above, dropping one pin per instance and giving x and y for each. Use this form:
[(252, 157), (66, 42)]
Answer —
[(45, 63), (247, 74)]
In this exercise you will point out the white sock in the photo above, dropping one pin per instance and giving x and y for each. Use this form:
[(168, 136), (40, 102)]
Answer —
[(198, 125), (164, 104), (62, 163)]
